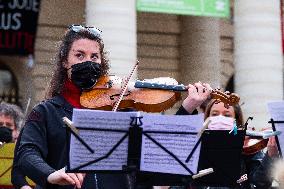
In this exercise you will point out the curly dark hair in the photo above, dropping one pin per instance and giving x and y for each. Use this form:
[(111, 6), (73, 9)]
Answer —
[(238, 112), (14, 112), (60, 72)]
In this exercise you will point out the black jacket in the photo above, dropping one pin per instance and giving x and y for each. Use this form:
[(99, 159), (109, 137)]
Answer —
[(17, 177), (257, 167), (43, 147)]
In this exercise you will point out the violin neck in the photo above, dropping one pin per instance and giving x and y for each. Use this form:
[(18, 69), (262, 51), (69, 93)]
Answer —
[(147, 85)]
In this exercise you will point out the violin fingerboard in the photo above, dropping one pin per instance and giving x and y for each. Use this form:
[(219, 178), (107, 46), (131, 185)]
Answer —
[(147, 85)]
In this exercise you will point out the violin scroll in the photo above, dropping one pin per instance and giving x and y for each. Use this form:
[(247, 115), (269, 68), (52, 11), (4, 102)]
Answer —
[(229, 99)]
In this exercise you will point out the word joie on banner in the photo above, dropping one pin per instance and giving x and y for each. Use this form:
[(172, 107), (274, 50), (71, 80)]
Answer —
[(18, 25)]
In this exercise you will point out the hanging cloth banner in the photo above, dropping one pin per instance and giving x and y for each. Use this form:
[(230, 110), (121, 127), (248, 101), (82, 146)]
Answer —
[(18, 25), (214, 8)]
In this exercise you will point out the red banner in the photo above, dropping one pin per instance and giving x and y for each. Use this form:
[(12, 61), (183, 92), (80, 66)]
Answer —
[(18, 24)]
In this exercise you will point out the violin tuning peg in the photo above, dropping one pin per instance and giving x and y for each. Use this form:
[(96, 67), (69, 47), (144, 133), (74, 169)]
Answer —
[(217, 101), (226, 105), (109, 84)]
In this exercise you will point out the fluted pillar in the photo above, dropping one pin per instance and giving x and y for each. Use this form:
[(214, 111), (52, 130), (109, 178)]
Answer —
[(117, 20), (200, 50), (258, 57)]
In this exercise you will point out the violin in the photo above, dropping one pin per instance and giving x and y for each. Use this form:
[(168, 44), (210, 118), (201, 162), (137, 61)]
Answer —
[(256, 141), (252, 145), (155, 95), (107, 90)]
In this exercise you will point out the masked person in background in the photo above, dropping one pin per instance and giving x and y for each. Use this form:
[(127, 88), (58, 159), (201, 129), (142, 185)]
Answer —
[(255, 165), (11, 119), (259, 165), (81, 60), (231, 118), (5, 135)]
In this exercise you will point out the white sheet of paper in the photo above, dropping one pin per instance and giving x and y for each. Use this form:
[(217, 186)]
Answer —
[(276, 110), (155, 159), (100, 141)]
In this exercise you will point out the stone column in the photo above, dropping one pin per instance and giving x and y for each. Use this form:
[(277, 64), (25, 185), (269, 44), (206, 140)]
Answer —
[(117, 20), (258, 57), (200, 50)]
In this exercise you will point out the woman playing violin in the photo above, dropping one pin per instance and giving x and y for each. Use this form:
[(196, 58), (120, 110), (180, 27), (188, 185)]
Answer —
[(80, 62), (252, 165), (255, 165)]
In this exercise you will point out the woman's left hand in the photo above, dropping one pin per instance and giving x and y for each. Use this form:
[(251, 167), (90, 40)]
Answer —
[(197, 94)]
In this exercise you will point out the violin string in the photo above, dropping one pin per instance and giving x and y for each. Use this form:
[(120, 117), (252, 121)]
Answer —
[(124, 88)]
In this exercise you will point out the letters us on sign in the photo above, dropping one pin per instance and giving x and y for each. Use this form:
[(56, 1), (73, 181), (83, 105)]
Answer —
[(18, 23)]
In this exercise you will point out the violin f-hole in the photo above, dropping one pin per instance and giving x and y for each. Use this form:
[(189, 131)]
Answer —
[(113, 96)]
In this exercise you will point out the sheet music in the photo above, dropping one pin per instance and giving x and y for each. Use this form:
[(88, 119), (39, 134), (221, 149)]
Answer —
[(155, 159), (100, 141), (276, 110)]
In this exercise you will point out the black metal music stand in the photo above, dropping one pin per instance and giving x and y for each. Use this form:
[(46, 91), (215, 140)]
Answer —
[(276, 137)]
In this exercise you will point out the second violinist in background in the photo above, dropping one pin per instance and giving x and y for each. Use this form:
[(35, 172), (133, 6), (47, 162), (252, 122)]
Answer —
[(252, 165), (270, 168)]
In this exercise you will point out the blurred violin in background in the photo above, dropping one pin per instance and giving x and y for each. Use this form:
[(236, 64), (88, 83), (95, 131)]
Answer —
[(256, 141)]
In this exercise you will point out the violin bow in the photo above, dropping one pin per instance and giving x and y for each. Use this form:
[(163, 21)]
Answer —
[(114, 109)]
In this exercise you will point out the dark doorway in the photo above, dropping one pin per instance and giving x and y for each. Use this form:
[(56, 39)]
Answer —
[(8, 86), (230, 85)]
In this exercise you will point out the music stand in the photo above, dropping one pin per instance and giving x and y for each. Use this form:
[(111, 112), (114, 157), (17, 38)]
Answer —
[(276, 137), (91, 153), (133, 157), (222, 152)]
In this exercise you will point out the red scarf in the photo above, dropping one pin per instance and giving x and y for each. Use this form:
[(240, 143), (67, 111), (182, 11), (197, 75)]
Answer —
[(71, 93)]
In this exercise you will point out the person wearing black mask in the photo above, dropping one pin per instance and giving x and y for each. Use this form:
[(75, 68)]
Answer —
[(11, 119), (80, 62), (5, 135)]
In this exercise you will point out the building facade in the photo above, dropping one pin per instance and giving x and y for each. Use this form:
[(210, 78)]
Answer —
[(219, 51)]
